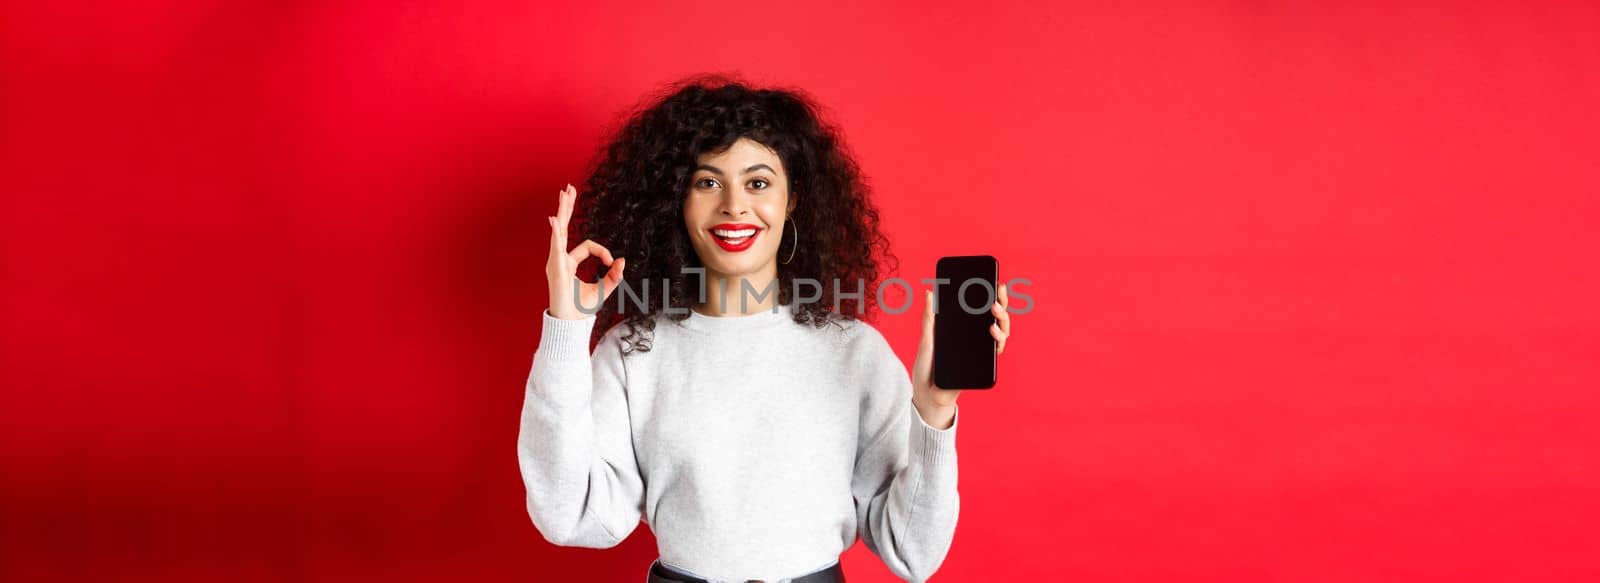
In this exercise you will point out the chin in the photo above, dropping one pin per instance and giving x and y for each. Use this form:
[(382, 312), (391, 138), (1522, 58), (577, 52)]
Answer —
[(735, 267)]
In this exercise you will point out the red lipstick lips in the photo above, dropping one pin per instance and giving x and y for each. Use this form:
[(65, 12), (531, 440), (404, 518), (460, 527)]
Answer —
[(734, 237)]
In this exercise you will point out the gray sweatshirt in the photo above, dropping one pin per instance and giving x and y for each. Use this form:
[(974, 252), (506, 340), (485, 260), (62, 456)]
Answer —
[(754, 447)]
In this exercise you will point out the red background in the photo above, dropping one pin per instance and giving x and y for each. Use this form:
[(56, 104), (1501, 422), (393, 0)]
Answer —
[(1315, 285)]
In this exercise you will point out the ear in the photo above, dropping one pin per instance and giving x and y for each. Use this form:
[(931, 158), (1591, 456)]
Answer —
[(794, 201)]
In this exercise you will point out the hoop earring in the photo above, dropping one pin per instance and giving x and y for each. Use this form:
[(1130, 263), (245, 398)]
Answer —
[(796, 241)]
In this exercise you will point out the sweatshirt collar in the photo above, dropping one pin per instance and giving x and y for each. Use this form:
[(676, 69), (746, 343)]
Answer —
[(761, 319)]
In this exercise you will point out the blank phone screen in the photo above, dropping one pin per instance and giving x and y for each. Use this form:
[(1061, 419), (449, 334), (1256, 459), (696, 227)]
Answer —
[(963, 350)]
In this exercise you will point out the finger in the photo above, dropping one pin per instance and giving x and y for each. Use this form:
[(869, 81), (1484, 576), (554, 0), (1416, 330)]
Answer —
[(557, 248), (558, 222), (927, 316), (1001, 317), (996, 333), (588, 248), (564, 213), (613, 277)]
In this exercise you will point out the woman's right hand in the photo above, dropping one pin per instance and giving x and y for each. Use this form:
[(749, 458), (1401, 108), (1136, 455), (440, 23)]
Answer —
[(562, 266)]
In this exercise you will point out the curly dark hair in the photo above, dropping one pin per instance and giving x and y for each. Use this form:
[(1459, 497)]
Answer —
[(635, 190)]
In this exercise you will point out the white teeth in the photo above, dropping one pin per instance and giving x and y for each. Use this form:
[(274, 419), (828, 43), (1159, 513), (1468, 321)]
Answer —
[(739, 234)]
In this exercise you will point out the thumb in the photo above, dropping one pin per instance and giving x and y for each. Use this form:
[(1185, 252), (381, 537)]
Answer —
[(613, 278), (927, 318), (922, 368)]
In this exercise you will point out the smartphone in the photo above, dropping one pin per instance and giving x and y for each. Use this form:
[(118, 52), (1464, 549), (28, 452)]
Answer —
[(963, 350)]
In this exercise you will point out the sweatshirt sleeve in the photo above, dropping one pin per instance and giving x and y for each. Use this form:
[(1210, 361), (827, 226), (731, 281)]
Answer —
[(575, 446), (905, 477)]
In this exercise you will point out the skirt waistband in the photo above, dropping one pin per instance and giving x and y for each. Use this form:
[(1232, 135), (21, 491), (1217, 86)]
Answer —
[(661, 572)]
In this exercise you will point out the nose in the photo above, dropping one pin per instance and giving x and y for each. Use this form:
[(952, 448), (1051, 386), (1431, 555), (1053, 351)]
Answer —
[(734, 203)]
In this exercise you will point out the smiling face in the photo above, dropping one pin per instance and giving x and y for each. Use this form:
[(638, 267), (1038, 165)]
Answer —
[(737, 202)]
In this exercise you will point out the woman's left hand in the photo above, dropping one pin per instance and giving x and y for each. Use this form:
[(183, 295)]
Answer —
[(938, 406)]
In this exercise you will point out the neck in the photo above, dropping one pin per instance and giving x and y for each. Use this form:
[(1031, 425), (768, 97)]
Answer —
[(740, 295)]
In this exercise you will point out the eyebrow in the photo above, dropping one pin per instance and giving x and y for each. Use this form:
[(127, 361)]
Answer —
[(718, 171)]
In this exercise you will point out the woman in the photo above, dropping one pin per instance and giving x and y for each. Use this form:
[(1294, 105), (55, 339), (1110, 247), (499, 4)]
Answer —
[(757, 427)]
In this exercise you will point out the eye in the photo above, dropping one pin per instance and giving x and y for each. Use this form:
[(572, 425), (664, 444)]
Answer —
[(759, 184), (705, 183)]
